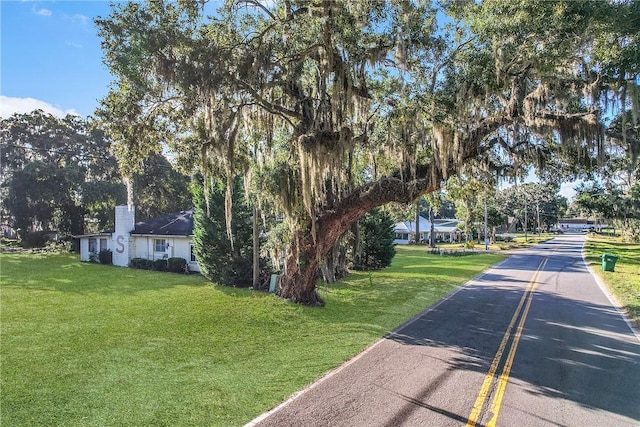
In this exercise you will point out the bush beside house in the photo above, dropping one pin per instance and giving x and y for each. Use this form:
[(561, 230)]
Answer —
[(105, 256), (171, 265)]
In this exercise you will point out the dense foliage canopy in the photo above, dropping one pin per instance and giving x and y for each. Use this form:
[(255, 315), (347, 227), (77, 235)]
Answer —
[(219, 260), (332, 108), (56, 171)]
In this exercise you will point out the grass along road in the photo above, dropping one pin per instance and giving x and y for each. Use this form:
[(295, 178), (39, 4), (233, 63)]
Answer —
[(91, 345), (624, 282), (517, 241)]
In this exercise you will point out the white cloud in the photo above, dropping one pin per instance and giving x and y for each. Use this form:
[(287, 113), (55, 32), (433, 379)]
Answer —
[(79, 21), (10, 105), (42, 12), (74, 45), (80, 18)]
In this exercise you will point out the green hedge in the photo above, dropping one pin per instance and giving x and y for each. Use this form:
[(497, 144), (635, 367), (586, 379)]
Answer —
[(141, 263), (105, 256), (160, 265), (452, 252), (177, 265), (173, 265), (34, 239)]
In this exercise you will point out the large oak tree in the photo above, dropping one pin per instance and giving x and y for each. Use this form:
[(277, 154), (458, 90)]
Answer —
[(340, 107)]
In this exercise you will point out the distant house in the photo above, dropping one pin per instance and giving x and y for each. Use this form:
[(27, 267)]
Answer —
[(445, 230), (579, 224), (159, 238)]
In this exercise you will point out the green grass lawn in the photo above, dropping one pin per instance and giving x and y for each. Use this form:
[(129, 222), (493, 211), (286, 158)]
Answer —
[(91, 345), (624, 282)]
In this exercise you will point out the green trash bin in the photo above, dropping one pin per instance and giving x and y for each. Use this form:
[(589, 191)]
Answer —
[(609, 262)]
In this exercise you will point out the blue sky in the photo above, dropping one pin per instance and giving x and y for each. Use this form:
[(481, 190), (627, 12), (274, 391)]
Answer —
[(51, 57)]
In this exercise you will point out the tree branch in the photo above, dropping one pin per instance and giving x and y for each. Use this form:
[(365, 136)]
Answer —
[(285, 113), (333, 223), (258, 5)]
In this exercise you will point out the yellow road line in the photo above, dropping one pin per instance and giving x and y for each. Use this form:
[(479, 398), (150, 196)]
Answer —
[(497, 399), (488, 380)]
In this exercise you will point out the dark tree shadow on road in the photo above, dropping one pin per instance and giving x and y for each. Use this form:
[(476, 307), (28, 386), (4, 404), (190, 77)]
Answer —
[(594, 362)]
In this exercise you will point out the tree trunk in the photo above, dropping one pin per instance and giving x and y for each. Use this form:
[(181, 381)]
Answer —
[(357, 248), (298, 282), (256, 249), (334, 265), (301, 271)]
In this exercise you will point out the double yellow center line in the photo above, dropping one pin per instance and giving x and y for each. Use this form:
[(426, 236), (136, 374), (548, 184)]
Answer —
[(521, 312)]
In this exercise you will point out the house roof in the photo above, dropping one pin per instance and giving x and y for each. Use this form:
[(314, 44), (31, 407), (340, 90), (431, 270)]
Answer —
[(440, 226), (97, 234), (175, 224), (401, 227), (410, 226), (574, 221)]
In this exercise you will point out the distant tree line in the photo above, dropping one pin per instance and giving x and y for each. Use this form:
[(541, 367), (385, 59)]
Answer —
[(59, 174)]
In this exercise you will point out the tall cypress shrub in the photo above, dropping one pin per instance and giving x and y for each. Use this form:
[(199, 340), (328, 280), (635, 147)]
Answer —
[(376, 241), (218, 261)]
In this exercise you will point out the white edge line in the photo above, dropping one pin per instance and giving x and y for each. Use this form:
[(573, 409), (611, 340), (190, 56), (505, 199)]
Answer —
[(612, 299), (349, 362)]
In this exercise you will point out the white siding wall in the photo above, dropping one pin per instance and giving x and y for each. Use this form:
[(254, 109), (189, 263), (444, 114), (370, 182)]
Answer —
[(84, 249), (85, 255), (179, 246), (141, 247), (182, 248)]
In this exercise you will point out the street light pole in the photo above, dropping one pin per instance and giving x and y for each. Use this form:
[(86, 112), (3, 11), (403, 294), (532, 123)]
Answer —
[(486, 221), (526, 222), (538, 215)]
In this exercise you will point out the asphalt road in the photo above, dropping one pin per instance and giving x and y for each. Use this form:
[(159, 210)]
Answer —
[(532, 342)]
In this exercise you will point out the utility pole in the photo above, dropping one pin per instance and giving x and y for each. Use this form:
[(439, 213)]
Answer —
[(432, 229), (486, 223), (417, 227), (526, 221), (538, 215)]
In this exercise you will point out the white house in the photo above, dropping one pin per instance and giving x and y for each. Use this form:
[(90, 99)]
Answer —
[(579, 224), (445, 230), (160, 238)]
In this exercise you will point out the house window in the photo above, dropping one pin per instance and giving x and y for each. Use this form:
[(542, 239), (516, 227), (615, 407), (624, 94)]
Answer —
[(193, 256), (160, 245), (93, 246), (103, 244)]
